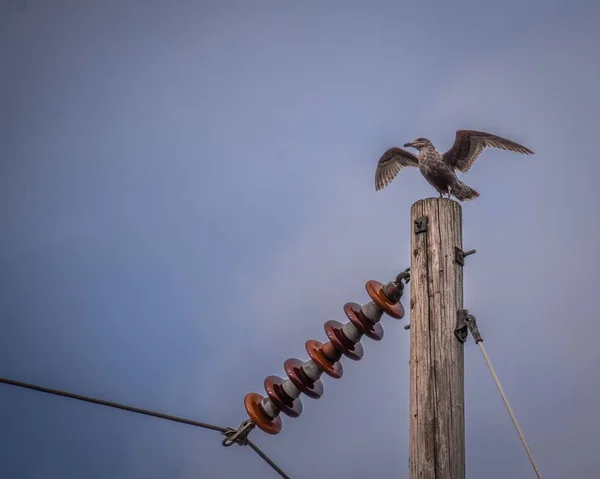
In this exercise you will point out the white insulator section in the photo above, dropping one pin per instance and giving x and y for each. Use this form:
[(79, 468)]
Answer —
[(311, 370), (372, 312), (350, 331), (269, 408), (291, 390)]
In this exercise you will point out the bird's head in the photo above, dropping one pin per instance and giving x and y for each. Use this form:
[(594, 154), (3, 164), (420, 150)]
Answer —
[(418, 144)]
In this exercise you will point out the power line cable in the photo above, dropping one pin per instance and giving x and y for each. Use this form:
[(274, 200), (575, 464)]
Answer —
[(232, 436), (469, 321), (102, 402)]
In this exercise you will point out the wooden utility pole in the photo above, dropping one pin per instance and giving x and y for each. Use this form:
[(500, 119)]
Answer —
[(437, 415)]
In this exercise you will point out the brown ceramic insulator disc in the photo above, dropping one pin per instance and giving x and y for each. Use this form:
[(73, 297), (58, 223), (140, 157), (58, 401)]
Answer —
[(275, 391), (333, 329), (368, 328), (258, 416), (293, 368), (375, 291), (288, 406), (315, 351)]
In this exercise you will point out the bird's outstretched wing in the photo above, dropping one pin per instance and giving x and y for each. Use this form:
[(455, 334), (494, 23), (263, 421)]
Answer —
[(469, 144), (390, 164)]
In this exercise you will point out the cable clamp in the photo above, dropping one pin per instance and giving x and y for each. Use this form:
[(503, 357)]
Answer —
[(466, 322), (238, 436), (462, 330)]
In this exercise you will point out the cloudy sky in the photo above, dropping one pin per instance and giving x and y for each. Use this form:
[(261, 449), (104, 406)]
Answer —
[(187, 194)]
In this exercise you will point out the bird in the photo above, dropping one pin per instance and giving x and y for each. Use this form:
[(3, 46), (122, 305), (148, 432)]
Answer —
[(439, 169)]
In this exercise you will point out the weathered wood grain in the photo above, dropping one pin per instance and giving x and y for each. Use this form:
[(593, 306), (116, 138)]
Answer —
[(437, 421)]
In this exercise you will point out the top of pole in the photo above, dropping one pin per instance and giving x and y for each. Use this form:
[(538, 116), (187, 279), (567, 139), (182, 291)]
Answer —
[(434, 199)]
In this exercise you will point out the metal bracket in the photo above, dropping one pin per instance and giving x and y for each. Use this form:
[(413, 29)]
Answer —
[(462, 330), (472, 324), (466, 322), (239, 435), (421, 225), (405, 275), (460, 255)]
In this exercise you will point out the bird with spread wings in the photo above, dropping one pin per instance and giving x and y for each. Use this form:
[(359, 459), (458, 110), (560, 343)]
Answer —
[(439, 169)]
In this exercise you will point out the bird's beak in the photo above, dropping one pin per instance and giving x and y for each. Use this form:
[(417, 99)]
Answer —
[(408, 145)]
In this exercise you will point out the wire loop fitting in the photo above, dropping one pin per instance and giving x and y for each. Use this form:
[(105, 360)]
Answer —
[(238, 436)]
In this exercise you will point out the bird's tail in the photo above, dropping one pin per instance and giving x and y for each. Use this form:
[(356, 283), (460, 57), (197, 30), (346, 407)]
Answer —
[(463, 192)]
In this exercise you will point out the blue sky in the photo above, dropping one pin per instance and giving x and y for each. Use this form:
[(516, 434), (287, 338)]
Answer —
[(187, 194)]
